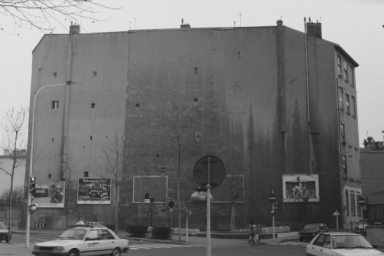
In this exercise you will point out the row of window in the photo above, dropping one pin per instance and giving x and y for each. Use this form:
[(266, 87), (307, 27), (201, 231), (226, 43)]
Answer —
[(55, 104), (353, 208), (345, 71), (350, 102)]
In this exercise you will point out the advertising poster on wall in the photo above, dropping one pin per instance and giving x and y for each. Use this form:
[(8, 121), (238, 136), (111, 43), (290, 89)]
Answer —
[(299, 187), (94, 191), (49, 194)]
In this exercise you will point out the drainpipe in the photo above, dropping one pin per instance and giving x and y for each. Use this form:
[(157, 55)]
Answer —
[(307, 72), (339, 157), (64, 144)]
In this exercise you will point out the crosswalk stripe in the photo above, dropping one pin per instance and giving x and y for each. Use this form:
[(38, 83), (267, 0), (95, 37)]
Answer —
[(158, 246)]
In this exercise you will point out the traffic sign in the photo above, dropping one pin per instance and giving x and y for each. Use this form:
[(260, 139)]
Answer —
[(216, 169), (171, 204), (361, 201), (40, 224), (272, 198)]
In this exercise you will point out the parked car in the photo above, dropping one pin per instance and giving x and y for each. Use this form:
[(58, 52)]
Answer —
[(5, 234), (341, 243), (311, 230), (84, 241)]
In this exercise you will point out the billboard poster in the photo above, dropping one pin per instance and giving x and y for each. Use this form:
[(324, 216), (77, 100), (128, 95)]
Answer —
[(49, 194), (94, 191), (297, 187)]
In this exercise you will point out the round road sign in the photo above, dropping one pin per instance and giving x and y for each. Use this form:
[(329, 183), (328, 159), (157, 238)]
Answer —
[(272, 198), (216, 168), (361, 201)]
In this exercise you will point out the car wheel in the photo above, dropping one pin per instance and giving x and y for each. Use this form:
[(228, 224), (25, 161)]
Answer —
[(73, 253), (116, 252), (301, 239)]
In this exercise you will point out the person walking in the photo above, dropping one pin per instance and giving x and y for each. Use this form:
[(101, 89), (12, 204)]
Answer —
[(251, 238), (257, 233)]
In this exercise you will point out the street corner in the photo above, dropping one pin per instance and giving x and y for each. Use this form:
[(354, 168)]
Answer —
[(15, 249)]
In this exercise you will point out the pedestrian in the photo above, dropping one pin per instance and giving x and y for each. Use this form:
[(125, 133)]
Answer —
[(258, 233), (251, 238)]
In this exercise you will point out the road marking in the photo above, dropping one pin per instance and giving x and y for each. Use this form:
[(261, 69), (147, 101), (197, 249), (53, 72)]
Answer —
[(159, 246), (292, 243)]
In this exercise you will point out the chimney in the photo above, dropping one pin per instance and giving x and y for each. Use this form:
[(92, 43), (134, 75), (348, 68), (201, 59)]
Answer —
[(184, 25), (74, 29), (279, 23), (314, 29)]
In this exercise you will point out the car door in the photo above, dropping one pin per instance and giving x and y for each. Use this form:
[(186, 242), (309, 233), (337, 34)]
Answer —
[(315, 248), (108, 241), (92, 244)]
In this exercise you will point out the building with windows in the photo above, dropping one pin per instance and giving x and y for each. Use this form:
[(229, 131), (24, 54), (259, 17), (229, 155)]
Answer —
[(276, 105), (372, 176)]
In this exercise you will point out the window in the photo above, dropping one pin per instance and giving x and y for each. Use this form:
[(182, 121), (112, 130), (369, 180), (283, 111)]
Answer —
[(353, 203), (55, 104), (93, 235), (353, 106), (104, 234), (347, 201), (339, 66), (341, 105), (352, 80), (347, 103), (345, 71), (358, 206), (85, 174), (320, 240), (49, 176), (342, 133), (344, 165), (93, 105)]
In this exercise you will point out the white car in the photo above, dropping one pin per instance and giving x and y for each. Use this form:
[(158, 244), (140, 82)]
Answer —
[(340, 244), (82, 241)]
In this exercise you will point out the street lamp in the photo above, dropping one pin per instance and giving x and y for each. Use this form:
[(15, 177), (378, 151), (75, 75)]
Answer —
[(31, 157), (336, 214)]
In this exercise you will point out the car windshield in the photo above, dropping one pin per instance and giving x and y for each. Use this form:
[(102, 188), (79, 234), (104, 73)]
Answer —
[(2, 226), (311, 226), (75, 234), (348, 241)]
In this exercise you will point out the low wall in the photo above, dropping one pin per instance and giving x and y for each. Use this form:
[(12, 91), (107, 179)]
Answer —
[(375, 235), (192, 232), (267, 230)]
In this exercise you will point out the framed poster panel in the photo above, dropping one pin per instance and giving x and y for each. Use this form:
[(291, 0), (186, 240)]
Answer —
[(94, 191), (298, 187), (49, 194)]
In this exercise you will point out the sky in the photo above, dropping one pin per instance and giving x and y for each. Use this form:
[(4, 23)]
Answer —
[(356, 25)]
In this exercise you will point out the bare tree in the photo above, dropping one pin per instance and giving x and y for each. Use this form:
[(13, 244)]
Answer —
[(110, 165), (44, 14), (14, 129), (178, 133)]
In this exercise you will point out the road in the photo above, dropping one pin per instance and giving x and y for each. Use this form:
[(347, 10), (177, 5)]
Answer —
[(222, 247)]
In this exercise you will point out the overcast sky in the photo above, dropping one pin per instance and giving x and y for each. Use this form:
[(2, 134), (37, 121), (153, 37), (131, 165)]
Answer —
[(356, 25)]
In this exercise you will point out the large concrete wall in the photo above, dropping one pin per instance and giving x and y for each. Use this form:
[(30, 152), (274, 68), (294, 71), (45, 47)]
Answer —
[(247, 87)]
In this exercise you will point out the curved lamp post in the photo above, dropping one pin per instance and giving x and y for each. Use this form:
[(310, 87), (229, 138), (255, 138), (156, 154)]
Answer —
[(31, 157)]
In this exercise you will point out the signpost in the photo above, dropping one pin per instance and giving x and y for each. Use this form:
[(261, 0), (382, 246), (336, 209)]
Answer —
[(272, 199), (209, 172)]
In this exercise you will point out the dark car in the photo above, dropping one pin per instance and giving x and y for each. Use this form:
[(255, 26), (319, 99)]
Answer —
[(4, 233), (311, 230)]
